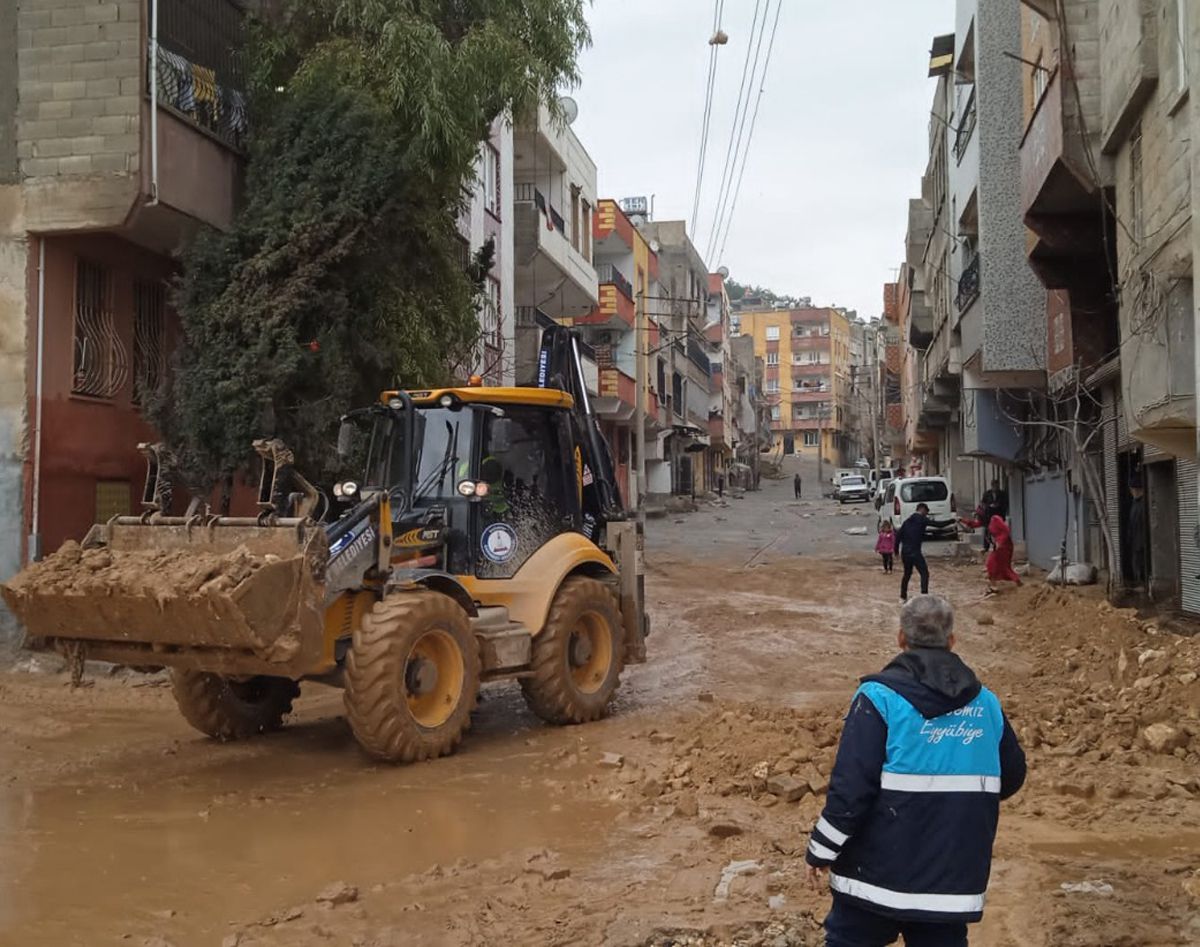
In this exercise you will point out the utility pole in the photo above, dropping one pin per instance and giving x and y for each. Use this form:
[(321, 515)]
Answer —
[(640, 350), (820, 449)]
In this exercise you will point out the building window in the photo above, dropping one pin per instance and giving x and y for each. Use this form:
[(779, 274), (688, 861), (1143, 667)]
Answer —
[(772, 333), (1182, 41), (772, 358), (586, 238), (100, 364), (662, 378), (1136, 200), (149, 327), (491, 180), (1041, 76), (814, 358), (776, 414), (772, 385), (575, 217), (810, 438)]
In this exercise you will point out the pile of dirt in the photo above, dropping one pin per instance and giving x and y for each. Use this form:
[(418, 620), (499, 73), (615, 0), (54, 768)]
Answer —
[(74, 571), (1109, 711)]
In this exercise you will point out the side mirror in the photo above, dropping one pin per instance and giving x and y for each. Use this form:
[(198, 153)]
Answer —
[(345, 439)]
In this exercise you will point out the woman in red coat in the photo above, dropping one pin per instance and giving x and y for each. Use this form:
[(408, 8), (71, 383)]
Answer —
[(999, 560)]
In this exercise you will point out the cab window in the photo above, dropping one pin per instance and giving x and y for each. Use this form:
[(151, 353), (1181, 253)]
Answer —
[(531, 495)]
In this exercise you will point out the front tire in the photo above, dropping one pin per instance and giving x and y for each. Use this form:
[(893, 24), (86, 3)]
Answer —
[(228, 709), (578, 656), (412, 677)]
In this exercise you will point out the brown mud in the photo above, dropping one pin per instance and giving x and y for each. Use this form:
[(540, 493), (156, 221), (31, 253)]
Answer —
[(119, 825)]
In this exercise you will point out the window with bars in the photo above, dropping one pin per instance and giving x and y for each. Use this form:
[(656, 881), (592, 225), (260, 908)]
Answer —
[(100, 366), (810, 438), (149, 329), (772, 358)]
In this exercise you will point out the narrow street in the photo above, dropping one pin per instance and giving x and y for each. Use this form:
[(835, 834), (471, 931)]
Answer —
[(120, 825)]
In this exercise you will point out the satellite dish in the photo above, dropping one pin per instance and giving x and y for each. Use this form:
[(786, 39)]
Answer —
[(723, 272), (654, 246), (570, 109)]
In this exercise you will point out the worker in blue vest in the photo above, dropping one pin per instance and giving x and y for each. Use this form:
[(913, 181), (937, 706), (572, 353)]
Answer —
[(925, 757)]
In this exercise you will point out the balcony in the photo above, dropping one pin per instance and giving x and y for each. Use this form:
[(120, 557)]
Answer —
[(808, 343), (546, 264), (814, 395), (611, 223), (968, 286), (617, 400), (616, 309), (1060, 194)]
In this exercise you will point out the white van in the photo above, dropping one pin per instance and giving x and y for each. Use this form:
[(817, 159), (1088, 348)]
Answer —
[(901, 499)]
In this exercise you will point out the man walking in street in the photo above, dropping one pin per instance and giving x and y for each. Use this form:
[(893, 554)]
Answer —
[(925, 758), (796, 485), (994, 503), (909, 540)]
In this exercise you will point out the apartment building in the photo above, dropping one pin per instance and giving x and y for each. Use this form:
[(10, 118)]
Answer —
[(806, 353), (489, 216), (683, 360), (117, 159), (553, 205)]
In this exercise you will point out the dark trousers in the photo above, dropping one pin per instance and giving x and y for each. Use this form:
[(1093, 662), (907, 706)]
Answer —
[(851, 926), (914, 562), (888, 558), (797, 486)]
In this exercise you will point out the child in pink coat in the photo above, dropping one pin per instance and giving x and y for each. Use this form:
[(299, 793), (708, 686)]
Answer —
[(885, 545)]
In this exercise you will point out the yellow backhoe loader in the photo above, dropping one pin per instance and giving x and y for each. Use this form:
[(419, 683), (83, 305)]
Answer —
[(477, 535)]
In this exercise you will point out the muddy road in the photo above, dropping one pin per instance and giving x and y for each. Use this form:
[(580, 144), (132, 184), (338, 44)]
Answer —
[(119, 825)]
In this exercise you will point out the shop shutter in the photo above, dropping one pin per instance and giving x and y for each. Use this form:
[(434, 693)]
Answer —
[(1186, 473)]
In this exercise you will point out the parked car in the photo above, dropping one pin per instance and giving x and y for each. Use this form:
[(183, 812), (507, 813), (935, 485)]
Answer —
[(852, 487), (901, 499), (879, 489)]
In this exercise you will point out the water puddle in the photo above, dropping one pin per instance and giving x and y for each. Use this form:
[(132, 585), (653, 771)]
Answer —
[(227, 834)]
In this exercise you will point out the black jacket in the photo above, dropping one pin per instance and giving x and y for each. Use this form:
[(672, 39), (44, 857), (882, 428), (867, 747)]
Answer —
[(911, 535), (925, 757)]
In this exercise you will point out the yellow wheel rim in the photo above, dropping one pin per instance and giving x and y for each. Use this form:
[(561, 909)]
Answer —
[(433, 678), (589, 652)]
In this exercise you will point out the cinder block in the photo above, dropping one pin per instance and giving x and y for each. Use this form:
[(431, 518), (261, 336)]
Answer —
[(132, 85), (113, 124), (67, 53), (87, 107), (102, 50), (38, 129), (75, 127), (123, 30), (90, 33), (51, 147), (87, 144), (112, 164), (24, 39), (88, 70), (39, 167), (119, 105), (101, 12), (103, 88), (51, 36), (76, 164), (69, 90), (24, 149), (35, 55), (122, 67), (33, 92), (52, 109), (67, 15), (120, 144), (53, 72), (29, 19)]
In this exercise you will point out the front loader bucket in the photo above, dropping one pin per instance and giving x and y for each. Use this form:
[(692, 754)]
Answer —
[(225, 595)]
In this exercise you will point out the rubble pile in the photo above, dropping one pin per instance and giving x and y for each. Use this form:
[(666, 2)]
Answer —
[(1108, 710)]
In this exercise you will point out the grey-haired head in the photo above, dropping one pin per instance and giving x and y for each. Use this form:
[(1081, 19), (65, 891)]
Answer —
[(928, 622)]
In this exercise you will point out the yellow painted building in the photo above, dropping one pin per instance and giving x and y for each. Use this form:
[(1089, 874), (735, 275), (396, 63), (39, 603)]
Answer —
[(806, 379)]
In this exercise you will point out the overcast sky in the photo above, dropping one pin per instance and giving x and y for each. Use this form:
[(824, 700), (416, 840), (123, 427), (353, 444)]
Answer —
[(839, 148)]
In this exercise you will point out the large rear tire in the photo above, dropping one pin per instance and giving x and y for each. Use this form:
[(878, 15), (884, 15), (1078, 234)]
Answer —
[(578, 656), (412, 677), (229, 709)]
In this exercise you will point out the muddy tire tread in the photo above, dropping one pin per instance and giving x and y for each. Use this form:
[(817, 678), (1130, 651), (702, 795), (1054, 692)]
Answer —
[(549, 691), (210, 706), (374, 678)]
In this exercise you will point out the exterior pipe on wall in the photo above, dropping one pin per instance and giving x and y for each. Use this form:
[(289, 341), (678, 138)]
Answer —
[(153, 56), (35, 538)]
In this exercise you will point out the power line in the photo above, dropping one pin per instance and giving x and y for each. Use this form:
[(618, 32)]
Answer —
[(750, 137), (723, 202), (718, 7), (737, 109)]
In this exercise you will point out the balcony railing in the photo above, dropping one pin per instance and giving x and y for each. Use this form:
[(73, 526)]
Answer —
[(968, 285), (199, 65), (966, 128), (607, 273)]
